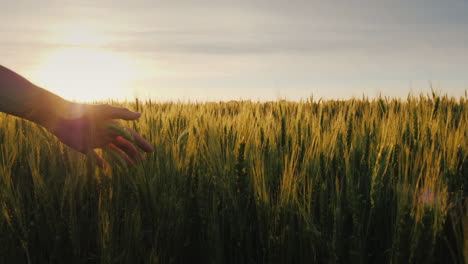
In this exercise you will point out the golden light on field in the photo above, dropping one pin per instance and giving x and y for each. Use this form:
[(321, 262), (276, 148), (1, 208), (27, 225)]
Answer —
[(83, 70)]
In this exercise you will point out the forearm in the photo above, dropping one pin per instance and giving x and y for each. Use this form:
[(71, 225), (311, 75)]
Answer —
[(21, 98)]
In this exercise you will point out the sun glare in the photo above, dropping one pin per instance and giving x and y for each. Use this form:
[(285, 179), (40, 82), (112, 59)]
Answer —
[(83, 74), (83, 70)]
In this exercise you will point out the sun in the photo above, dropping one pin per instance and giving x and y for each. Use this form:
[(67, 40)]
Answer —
[(83, 70), (84, 74)]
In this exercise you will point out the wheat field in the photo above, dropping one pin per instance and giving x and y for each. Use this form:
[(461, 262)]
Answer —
[(357, 181)]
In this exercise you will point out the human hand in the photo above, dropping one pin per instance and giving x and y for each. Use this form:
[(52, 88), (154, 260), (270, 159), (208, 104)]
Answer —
[(83, 127), (87, 127)]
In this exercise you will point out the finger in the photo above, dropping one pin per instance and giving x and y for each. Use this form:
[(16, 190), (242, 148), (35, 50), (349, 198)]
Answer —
[(99, 160), (128, 148), (120, 154), (140, 141), (112, 112), (130, 135), (118, 130)]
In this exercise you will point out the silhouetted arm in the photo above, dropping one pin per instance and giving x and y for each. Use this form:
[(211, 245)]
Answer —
[(83, 127), (21, 98)]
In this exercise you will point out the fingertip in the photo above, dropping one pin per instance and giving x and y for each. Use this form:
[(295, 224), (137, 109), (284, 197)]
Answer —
[(118, 112), (137, 114), (149, 148), (146, 147), (130, 115), (141, 142)]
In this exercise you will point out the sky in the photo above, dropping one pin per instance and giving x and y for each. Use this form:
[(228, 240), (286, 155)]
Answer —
[(198, 50)]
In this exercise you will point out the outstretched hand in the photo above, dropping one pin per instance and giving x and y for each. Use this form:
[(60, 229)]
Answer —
[(83, 127), (88, 127)]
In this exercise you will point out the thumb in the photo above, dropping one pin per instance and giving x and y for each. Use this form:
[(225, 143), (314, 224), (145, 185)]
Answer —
[(113, 112)]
